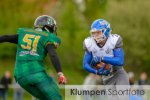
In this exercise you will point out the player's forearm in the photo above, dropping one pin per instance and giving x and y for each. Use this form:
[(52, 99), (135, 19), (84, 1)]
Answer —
[(86, 63), (9, 38), (56, 62), (88, 68), (54, 57), (117, 60)]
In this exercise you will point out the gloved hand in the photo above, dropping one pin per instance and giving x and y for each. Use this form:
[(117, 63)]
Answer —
[(106, 72), (100, 71), (107, 69), (61, 78), (103, 71)]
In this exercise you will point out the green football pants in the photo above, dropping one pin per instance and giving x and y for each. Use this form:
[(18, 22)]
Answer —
[(41, 86)]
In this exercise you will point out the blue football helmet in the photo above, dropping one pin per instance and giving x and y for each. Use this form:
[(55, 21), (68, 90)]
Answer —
[(103, 26)]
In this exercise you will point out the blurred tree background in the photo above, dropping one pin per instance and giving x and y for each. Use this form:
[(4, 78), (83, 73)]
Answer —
[(129, 18)]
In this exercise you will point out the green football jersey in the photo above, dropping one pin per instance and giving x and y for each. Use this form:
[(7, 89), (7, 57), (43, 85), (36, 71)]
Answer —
[(31, 50)]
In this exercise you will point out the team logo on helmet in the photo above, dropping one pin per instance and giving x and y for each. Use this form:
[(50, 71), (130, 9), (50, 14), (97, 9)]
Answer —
[(102, 22), (100, 25)]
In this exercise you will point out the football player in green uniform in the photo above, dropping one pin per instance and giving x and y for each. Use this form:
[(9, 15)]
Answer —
[(32, 46)]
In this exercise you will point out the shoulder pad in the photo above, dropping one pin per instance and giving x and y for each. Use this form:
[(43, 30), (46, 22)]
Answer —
[(88, 42), (114, 38), (22, 30), (53, 39)]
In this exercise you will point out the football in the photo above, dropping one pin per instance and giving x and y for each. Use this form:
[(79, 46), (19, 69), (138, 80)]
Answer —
[(101, 64)]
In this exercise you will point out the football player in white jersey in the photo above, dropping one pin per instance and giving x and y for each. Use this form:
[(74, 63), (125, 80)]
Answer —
[(105, 49)]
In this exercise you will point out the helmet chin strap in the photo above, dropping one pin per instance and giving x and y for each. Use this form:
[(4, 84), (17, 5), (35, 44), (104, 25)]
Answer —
[(46, 29)]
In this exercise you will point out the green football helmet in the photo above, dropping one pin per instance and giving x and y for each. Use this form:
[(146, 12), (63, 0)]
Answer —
[(46, 23)]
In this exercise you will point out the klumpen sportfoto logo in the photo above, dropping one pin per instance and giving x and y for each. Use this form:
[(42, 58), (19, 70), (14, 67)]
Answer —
[(112, 92), (95, 90)]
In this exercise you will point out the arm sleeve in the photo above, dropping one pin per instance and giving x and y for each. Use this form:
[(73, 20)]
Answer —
[(9, 38), (86, 63), (51, 49), (117, 60)]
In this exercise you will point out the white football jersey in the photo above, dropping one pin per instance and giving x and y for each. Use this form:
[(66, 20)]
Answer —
[(113, 41), (107, 50)]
